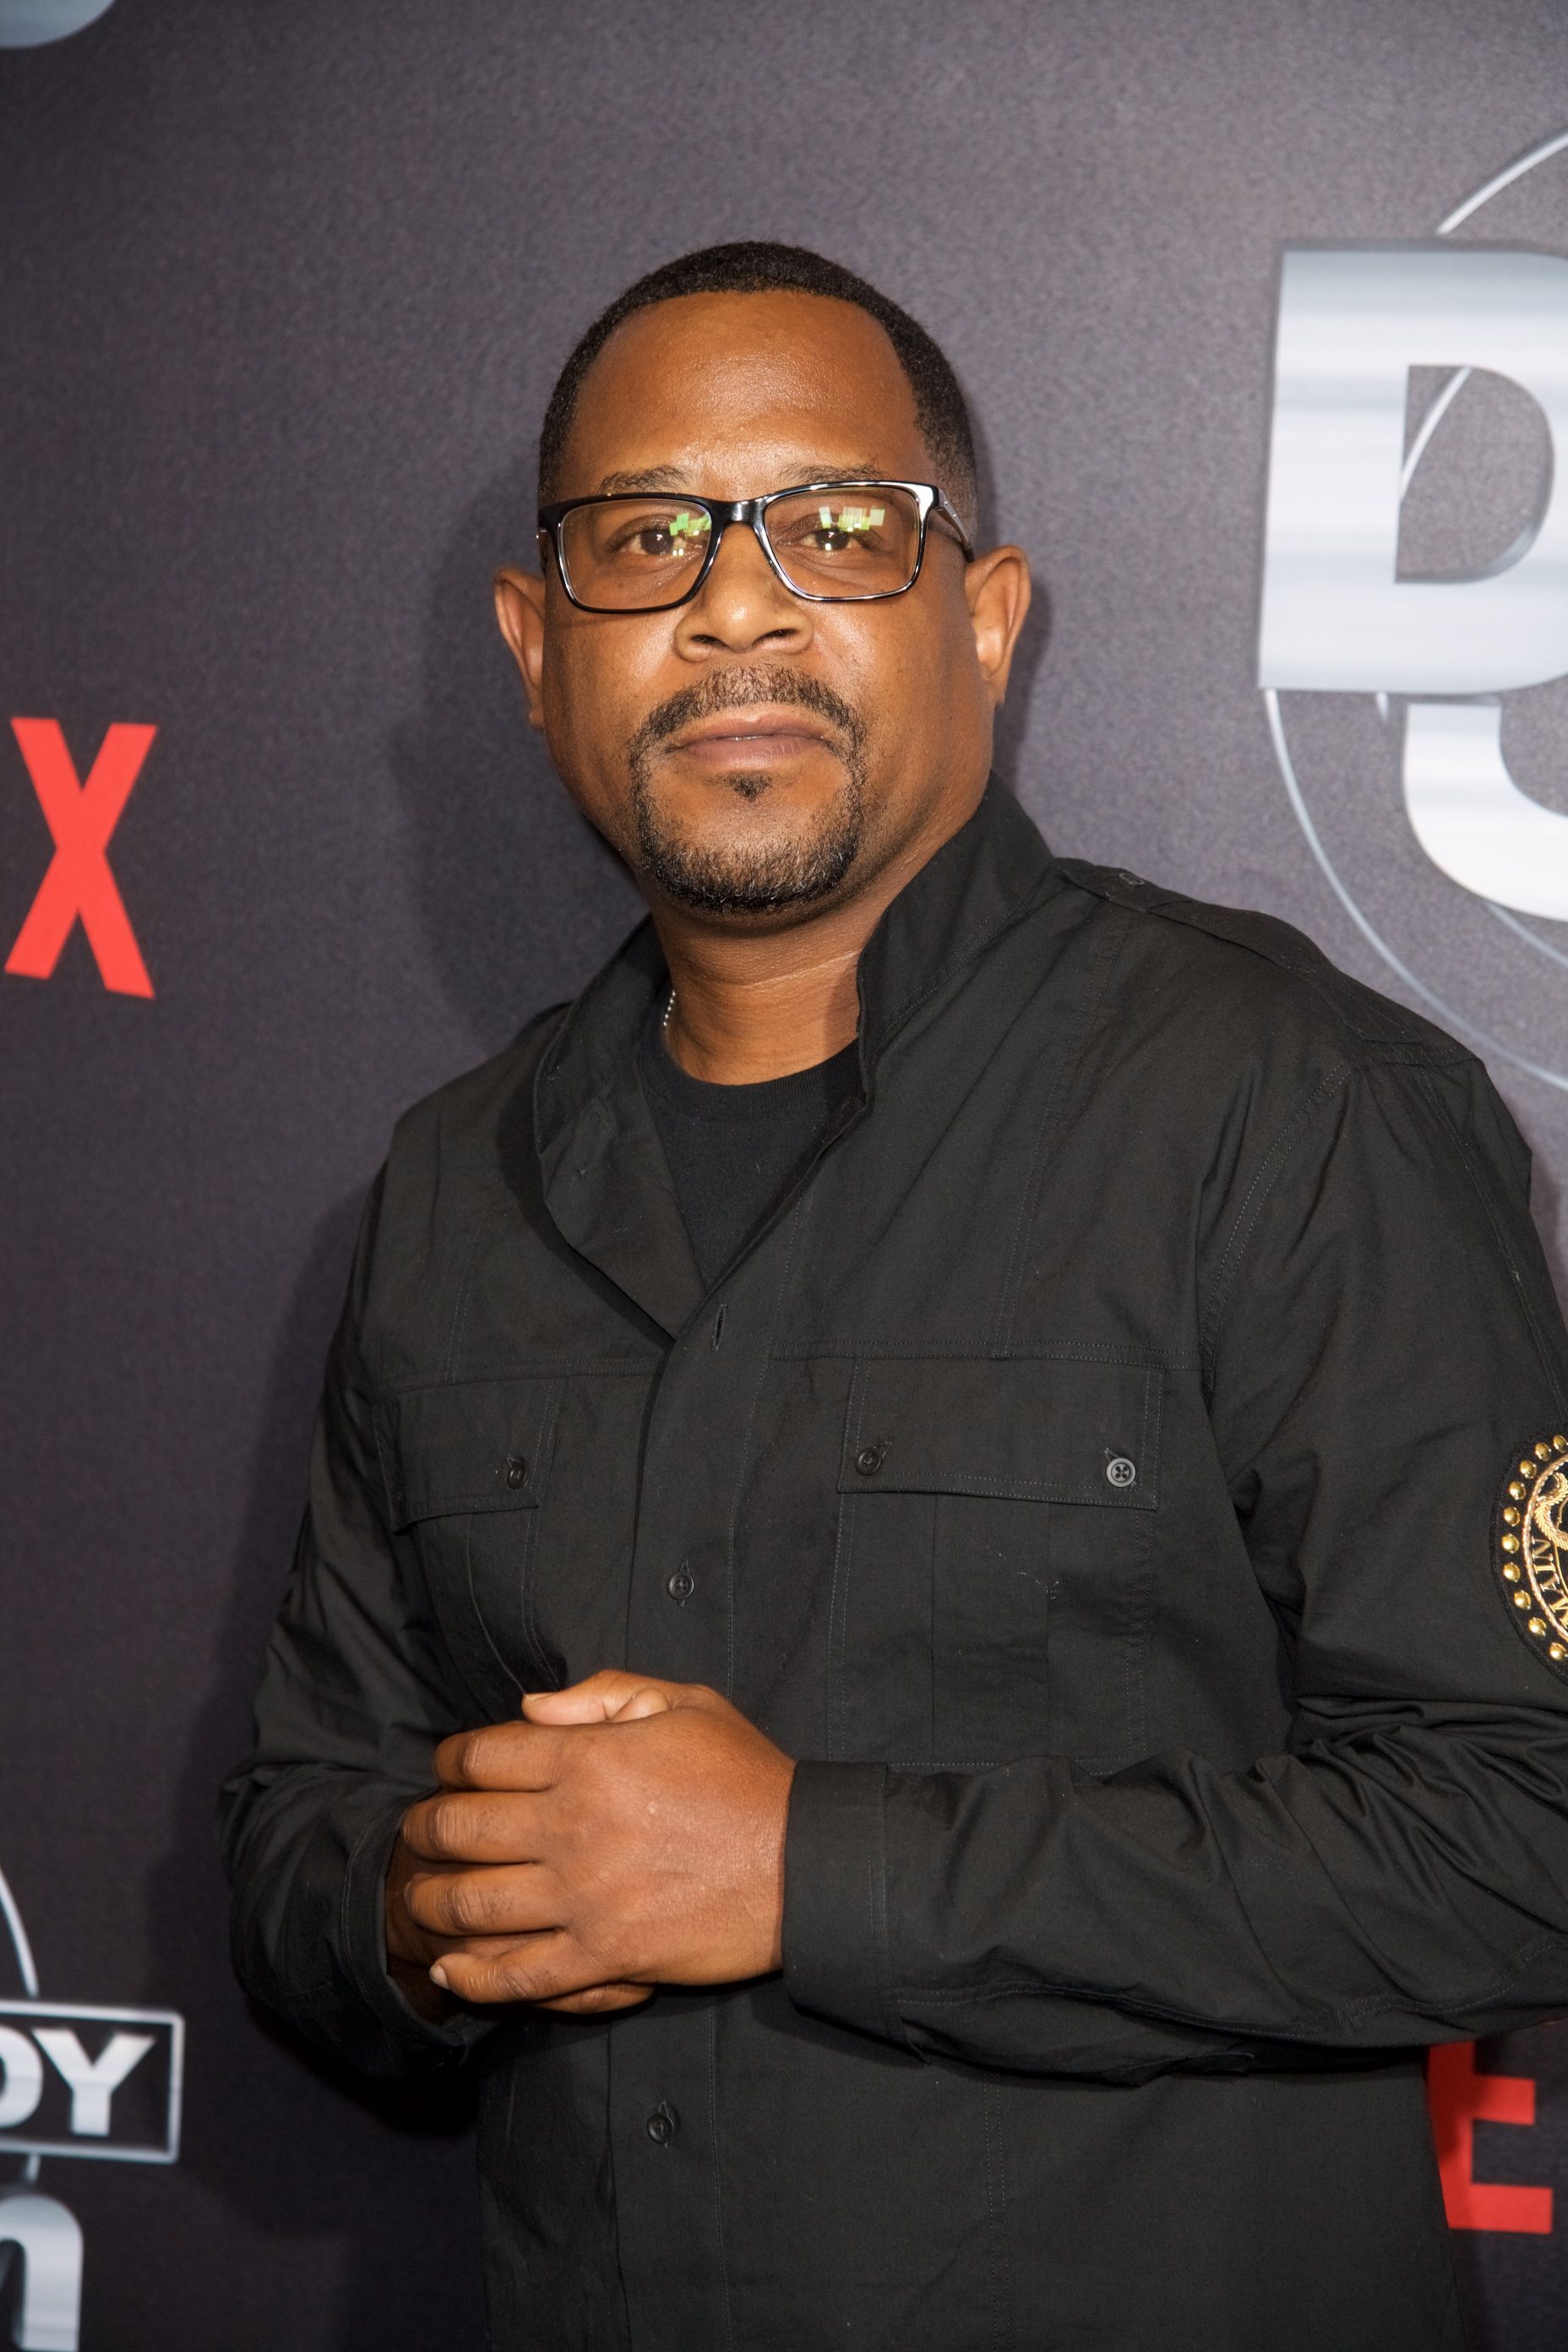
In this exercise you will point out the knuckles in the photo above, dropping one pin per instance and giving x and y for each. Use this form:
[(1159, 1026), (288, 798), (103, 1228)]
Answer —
[(472, 1751), (511, 1978), (438, 1828), (462, 1905), (450, 1905), (468, 1758)]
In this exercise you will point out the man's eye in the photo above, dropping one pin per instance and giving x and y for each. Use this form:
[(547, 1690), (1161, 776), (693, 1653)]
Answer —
[(835, 529), (662, 539)]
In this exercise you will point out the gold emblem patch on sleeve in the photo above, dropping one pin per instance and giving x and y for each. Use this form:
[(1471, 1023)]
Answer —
[(1529, 1546)]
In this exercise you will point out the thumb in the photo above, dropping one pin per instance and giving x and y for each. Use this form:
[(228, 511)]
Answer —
[(609, 1696)]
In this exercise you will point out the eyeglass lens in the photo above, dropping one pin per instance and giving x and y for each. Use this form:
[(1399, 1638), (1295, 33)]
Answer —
[(632, 554)]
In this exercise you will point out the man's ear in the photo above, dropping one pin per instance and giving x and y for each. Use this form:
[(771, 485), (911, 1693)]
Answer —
[(998, 588), (520, 611)]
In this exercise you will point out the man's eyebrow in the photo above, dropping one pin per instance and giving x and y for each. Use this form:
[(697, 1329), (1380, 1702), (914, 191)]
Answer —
[(642, 477), (674, 478)]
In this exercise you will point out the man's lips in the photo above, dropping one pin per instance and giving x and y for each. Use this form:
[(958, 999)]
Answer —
[(768, 729)]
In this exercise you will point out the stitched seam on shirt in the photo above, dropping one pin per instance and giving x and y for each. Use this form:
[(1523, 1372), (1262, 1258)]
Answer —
[(718, 2170), (611, 1368), (488, 1207), (1403, 1043), (997, 2203), (1252, 1206), (881, 1956), (549, 1425), (839, 1592), (988, 929), (1140, 1589), (1074, 1044), (780, 1292), (346, 1938), (906, 1351), (1498, 1233), (1005, 1489), (1350, 2012), (384, 1454), (479, 1617), (1096, 1764)]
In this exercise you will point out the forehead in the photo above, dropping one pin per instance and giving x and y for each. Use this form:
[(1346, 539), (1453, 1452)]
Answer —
[(741, 393)]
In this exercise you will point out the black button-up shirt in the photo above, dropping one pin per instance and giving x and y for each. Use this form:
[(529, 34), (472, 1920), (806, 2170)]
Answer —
[(1089, 1469)]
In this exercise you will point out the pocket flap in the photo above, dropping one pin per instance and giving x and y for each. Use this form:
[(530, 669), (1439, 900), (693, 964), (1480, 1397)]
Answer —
[(1040, 1429), (477, 1445)]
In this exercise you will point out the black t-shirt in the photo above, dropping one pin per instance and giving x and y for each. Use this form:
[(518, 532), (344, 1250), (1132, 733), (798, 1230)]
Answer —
[(731, 1149)]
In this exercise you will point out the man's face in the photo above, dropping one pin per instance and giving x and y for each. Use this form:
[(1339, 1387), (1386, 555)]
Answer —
[(754, 755)]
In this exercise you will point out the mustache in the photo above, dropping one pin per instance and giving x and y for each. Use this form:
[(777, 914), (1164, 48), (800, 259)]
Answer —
[(742, 689)]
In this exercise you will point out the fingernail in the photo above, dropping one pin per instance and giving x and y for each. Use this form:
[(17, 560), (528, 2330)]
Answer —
[(439, 1976)]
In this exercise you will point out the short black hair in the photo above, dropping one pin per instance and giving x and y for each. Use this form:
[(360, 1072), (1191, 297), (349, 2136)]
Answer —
[(757, 267)]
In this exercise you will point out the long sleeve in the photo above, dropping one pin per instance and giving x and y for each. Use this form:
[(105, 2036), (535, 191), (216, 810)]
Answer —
[(1383, 1341), (352, 1703)]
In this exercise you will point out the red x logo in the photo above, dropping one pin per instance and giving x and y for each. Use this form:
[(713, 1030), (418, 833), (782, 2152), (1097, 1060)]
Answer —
[(81, 817)]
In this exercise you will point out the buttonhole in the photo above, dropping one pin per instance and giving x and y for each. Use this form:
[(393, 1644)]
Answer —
[(719, 1328)]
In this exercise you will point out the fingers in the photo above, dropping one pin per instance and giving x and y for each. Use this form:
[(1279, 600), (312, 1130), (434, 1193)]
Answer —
[(609, 1696), (475, 1826), (518, 1900), (500, 1756), (548, 1969), (526, 1755)]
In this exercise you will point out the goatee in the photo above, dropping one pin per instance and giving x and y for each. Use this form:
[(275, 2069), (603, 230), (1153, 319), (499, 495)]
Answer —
[(770, 876)]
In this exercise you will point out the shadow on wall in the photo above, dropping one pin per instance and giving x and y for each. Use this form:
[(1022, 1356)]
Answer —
[(1013, 718), (520, 898), (363, 2195), (1546, 1208), (368, 2189)]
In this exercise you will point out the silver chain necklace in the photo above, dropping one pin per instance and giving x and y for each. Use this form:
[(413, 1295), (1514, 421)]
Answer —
[(667, 1010)]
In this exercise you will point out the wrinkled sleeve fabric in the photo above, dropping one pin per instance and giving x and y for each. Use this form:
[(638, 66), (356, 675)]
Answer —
[(1383, 1338), (351, 1703)]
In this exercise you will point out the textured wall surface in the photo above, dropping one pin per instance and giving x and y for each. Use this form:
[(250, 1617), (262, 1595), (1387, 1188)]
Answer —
[(286, 283)]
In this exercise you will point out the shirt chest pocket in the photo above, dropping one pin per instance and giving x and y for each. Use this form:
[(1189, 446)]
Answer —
[(990, 1580), (466, 1468)]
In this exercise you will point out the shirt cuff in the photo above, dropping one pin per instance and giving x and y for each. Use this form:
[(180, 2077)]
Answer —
[(835, 1901), (362, 1944)]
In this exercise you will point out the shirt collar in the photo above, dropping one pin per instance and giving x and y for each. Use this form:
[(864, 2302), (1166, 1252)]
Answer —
[(607, 1183)]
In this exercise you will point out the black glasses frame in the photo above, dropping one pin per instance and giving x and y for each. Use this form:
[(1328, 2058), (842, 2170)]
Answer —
[(721, 512)]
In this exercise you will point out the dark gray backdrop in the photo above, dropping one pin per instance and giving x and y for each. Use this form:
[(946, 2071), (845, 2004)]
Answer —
[(283, 286)]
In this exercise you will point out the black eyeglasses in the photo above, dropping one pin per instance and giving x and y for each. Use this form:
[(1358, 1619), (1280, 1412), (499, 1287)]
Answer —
[(831, 542)]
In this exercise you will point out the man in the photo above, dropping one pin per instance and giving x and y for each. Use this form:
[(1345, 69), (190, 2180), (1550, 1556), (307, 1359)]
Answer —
[(930, 1616)]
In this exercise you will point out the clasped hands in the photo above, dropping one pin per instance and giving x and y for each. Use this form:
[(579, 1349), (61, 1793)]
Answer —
[(623, 1834)]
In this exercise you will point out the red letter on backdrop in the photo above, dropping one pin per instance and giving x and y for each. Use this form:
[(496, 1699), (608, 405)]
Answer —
[(81, 817), (1459, 2099)]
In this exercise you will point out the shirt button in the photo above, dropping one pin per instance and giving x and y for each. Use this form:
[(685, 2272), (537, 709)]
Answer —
[(682, 1584), (516, 1470), (1119, 1471), (868, 1461), (661, 2124)]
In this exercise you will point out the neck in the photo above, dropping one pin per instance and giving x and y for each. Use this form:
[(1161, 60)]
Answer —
[(752, 1007)]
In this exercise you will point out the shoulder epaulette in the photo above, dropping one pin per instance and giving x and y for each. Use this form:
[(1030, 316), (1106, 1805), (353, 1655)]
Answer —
[(1373, 1018)]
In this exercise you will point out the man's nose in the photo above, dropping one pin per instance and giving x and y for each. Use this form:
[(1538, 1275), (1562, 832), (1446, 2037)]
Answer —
[(744, 604)]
